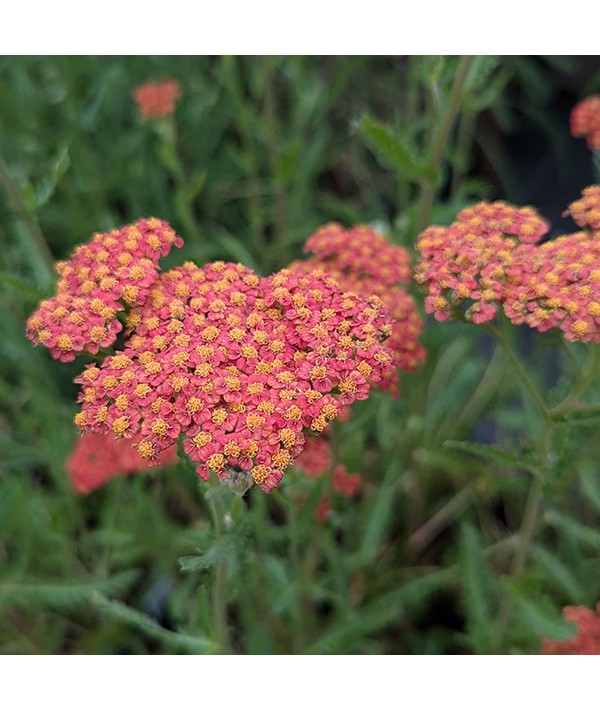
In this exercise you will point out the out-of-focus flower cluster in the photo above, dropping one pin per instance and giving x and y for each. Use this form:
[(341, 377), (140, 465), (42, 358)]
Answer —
[(96, 458), (316, 461), (157, 99), (585, 121), (240, 365), (489, 259), (111, 273), (363, 261), (587, 639)]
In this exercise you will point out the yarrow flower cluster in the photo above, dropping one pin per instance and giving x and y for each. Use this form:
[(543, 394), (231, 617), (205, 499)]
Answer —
[(111, 273), (468, 262), (239, 365), (585, 121), (489, 259), (586, 211), (96, 458), (157, 99), (587, 639), (363, 261)]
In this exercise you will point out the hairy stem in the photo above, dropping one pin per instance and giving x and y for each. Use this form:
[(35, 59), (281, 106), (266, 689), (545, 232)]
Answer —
[(520, 369), (30, 222), (219, 592), (440, 139)]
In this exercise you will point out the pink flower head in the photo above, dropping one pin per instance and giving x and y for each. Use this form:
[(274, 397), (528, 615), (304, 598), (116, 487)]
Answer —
[(586, 210), (157, 99), (587, 639), (111, 273), (557, 284), (240, 366), (489, 258), (585, 121), (96, 458), (468, 262), (363, 261)]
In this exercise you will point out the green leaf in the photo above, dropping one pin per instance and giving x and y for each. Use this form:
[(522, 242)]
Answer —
[(392, 152), (540, 616), (572, 528), (591, 485), (216, 553), (146, 624), (558, 572), (380, 513), (195, 184), (497, 454), (476, 594), (46, 188), (61, 595), (26, 290)]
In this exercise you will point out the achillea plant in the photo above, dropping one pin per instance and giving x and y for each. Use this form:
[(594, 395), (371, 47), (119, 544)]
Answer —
[(157, 99), (237, 365), (363, 261), (489, 259), (96, 459), (585, 121), (587, 639)]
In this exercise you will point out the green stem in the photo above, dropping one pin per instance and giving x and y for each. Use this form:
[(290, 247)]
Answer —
[(529, 525), (219, 593), (584, 380), (167, 131), (30, 222), (274, 151), (246, 124), (523, 374), (440, 139)]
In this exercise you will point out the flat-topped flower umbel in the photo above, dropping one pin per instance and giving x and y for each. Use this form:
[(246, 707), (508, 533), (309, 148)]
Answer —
[(489, 259), (111, 273), (585, 121), (363, 261), (237, 364)]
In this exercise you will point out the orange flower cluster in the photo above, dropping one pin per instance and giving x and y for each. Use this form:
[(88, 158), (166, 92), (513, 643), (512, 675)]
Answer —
[(157, 99), (111, 273), (586, 211), (239, 365), (468, 262), (585, 121), (587, 639), (97, 458), (488, 259), (363, 261)]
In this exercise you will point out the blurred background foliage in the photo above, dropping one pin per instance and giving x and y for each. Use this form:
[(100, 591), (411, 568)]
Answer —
[(260, 152)]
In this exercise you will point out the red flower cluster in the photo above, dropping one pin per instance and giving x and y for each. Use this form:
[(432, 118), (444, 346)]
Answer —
[(585, 121), (157, 99), (587, 639), (112, 272), (239, 365), (96, 458), (363, 261), (489, 259), (586, 211), (468, 262)]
